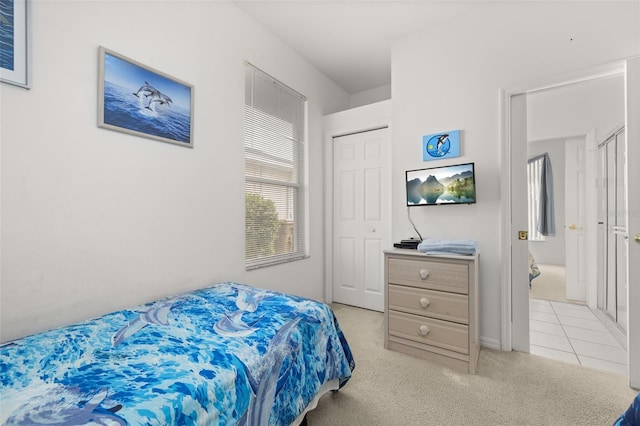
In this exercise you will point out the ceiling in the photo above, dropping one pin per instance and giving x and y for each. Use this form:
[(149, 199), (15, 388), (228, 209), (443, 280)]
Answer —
[(350, 40)]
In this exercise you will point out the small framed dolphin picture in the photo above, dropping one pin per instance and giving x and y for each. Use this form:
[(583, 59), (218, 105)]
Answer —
[(15, 40), (441, 145), (141, 101)]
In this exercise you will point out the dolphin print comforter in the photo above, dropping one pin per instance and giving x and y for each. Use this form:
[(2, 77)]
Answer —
[(224, 355)]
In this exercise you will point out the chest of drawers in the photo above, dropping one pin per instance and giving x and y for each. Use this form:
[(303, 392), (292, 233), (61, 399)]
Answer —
[(431, 307)]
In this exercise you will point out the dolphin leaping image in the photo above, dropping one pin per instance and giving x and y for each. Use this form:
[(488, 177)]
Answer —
[(160, 98), (267, 381), (249, 300), (441, 141), (232, 325), (158, 314), (156, 96), (146, 89), (65, 407)]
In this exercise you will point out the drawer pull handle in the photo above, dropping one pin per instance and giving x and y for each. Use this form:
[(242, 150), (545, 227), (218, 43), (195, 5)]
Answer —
[(424, 330), (424, 274), (424, 302)]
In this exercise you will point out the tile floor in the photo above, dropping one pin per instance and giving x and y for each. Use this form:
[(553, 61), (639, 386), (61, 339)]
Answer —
[(574, 334)]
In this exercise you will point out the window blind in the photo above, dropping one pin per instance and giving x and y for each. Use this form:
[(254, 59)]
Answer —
[(274, 159)]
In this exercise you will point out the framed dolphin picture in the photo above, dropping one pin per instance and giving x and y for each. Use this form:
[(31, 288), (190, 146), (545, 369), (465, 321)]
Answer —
[(14, 42), (441, 145), (136, 99)]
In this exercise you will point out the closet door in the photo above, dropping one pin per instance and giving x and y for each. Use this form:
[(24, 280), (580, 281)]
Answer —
[(621, 233), (361, 200), (614, 300), (610, 222)]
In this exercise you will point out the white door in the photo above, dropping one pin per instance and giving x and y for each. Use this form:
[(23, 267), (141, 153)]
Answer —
[(614, 228), (632, 130), (621, 236), (519, 222), (575, 223), (361, 199)]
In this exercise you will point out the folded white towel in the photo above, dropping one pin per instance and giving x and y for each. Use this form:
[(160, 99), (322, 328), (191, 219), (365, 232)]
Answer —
[(466, 247)]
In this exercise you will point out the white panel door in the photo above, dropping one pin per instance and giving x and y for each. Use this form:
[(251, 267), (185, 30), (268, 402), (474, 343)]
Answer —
[(519, 247), (574, 232), (361, 200)]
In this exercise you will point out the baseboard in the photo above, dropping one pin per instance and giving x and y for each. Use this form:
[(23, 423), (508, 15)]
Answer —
[(490, 343)]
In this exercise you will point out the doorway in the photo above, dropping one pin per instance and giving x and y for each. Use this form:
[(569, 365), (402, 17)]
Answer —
[(559, 254), (561, 326), (514, 131)]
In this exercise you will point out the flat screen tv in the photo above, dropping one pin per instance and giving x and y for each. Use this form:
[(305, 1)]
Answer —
[(455, 184)]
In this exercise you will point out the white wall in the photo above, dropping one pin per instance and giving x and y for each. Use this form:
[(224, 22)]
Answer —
[(449, 76), (576, 109), (378, 94), (95, 220)]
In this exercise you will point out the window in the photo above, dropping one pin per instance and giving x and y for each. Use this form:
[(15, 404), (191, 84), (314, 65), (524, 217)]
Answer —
[(542, 222), (274, 159)]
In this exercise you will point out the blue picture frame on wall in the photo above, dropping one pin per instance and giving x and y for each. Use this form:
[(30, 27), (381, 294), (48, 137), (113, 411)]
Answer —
[(14, 42), (139, 100), (442, 145)]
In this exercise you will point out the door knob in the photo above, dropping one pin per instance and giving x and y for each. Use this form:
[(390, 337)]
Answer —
[(573, 227), (637, 238)]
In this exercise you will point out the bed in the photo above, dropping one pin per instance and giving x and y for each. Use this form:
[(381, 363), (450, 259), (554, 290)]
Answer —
[(223, 355), (631, 417)]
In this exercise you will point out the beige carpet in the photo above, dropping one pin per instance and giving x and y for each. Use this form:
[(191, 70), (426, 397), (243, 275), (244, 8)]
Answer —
[(511, 388)]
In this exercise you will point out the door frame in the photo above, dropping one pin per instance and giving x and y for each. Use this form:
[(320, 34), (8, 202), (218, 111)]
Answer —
[(630, 69), (356, 120)]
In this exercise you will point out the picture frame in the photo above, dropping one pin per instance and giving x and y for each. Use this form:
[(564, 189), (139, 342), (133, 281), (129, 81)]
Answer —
[(439, 146), (139, 100), (14, 42)]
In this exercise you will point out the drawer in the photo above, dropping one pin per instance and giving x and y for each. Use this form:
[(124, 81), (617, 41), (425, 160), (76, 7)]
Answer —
[(435, 304), (440, 275), (443, 334)]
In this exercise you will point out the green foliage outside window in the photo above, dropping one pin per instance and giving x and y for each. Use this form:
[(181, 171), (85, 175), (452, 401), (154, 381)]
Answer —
[(261, 226)]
